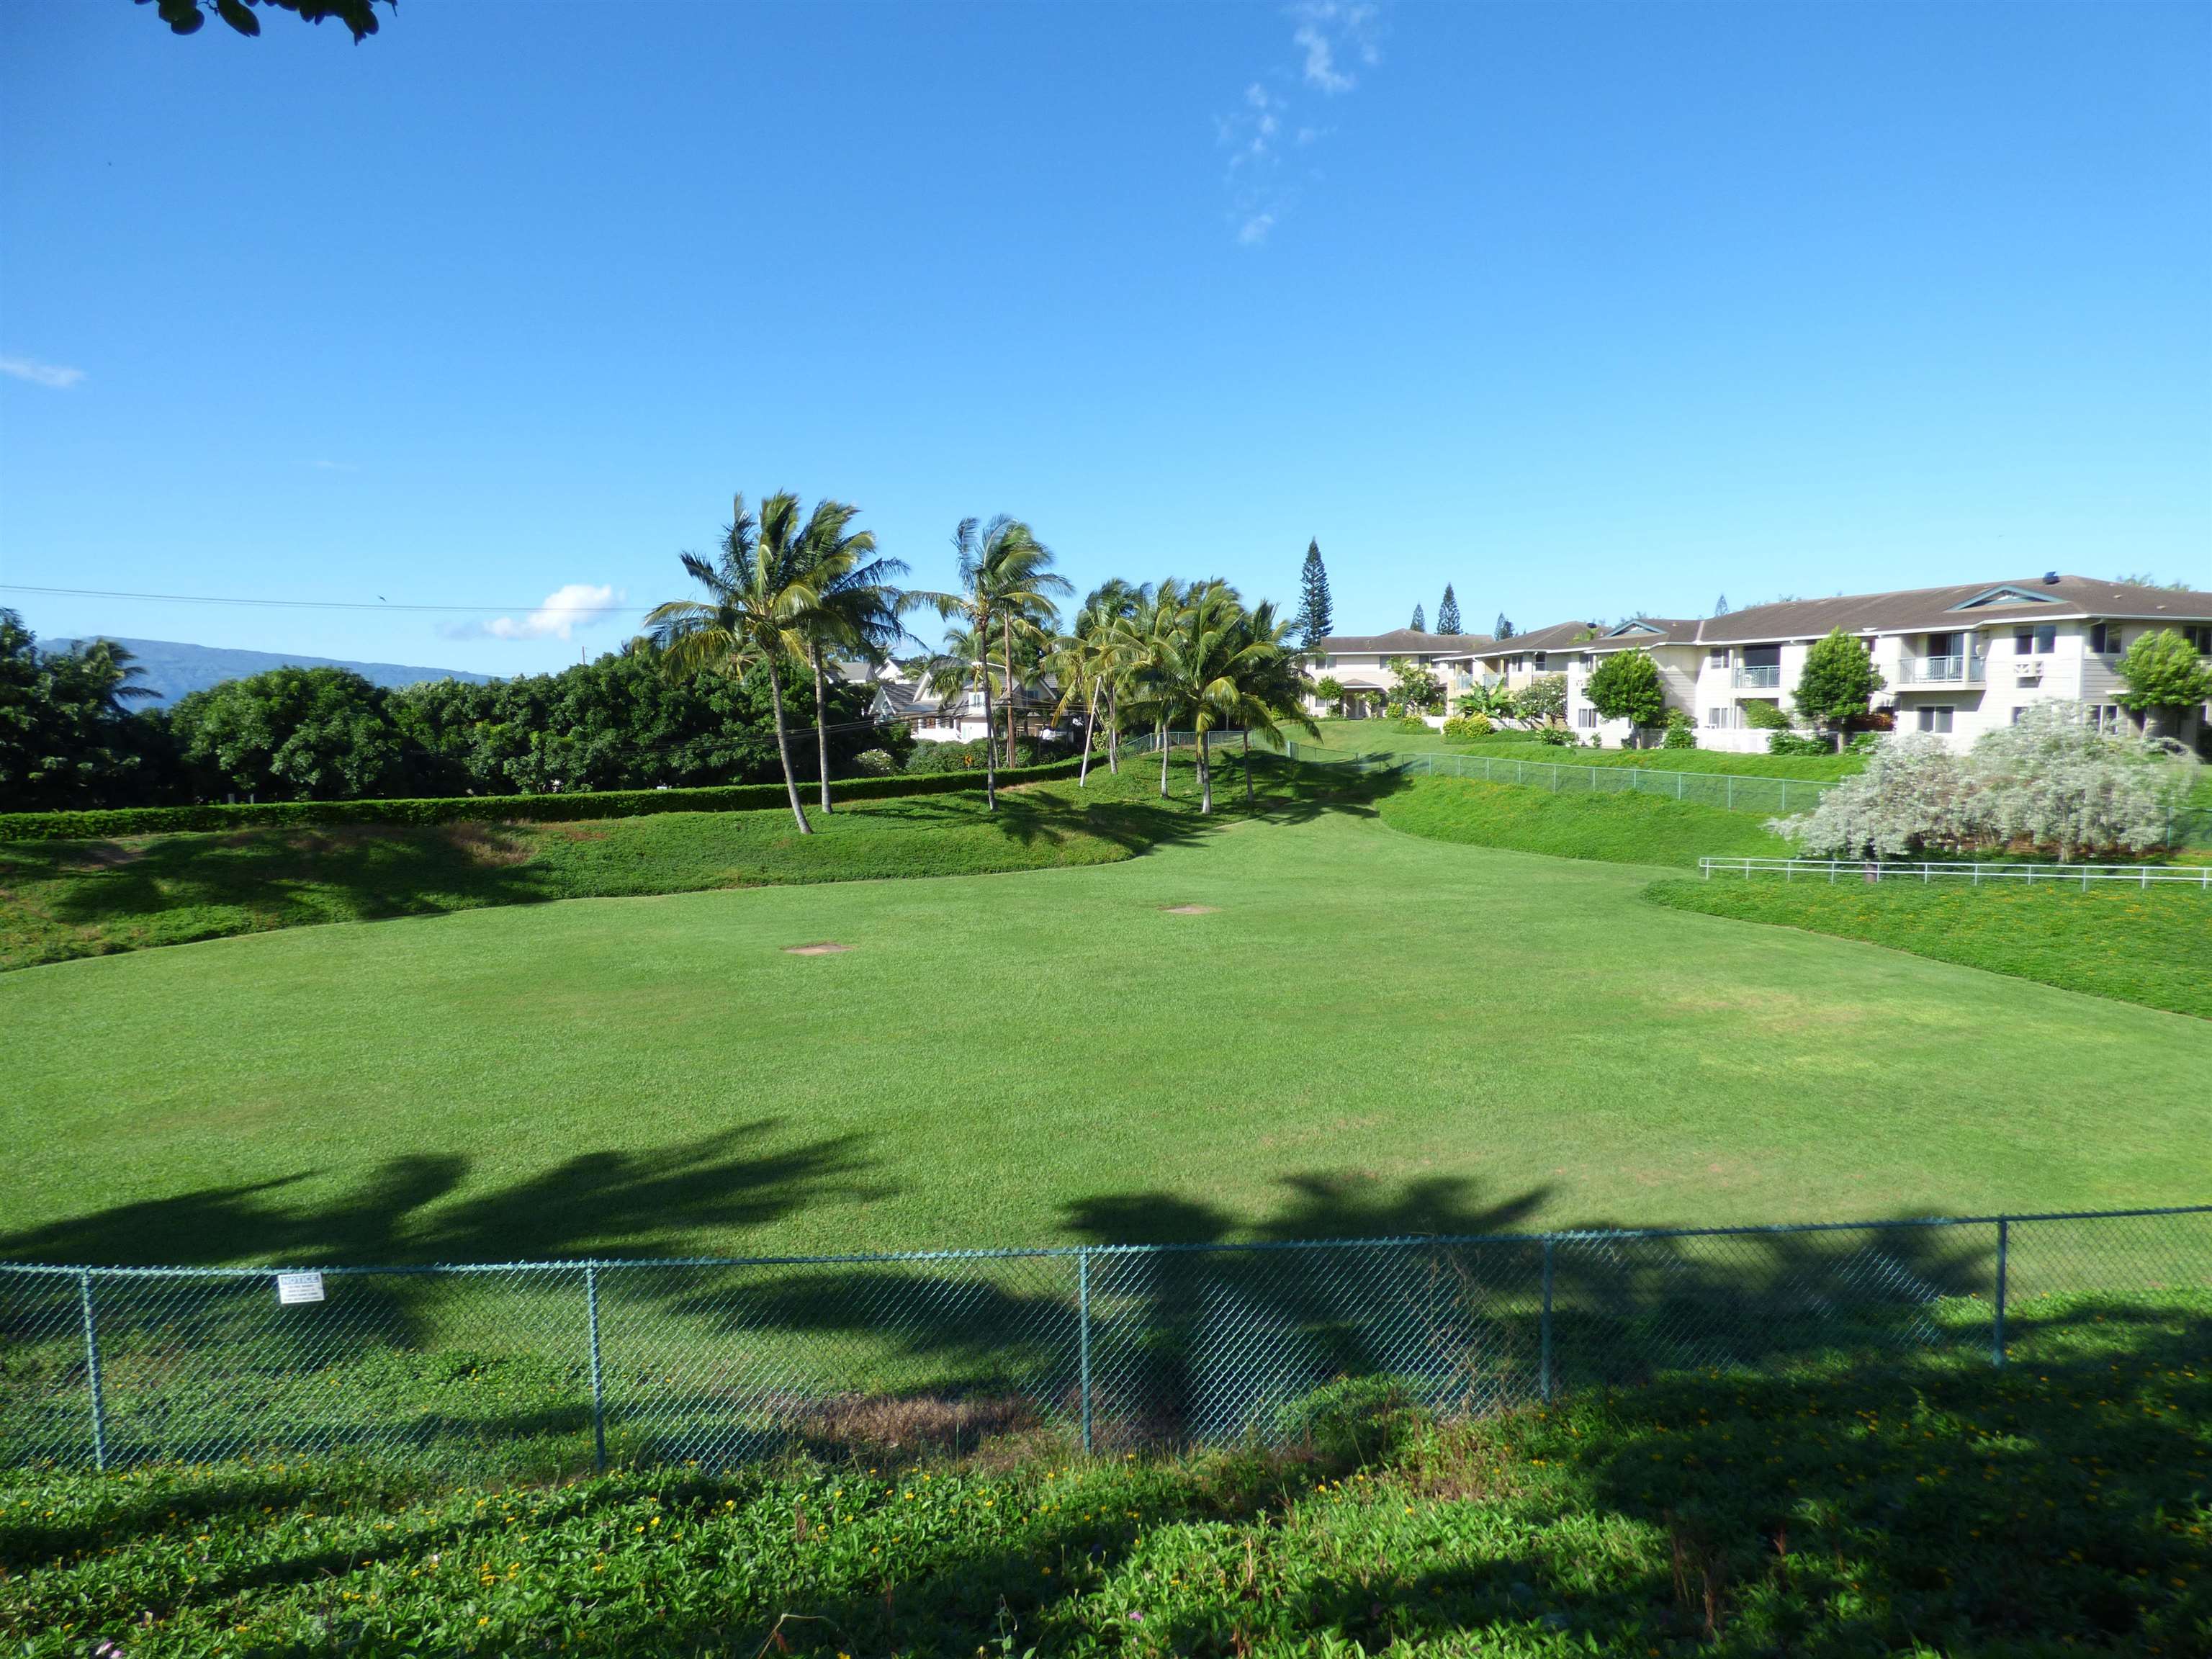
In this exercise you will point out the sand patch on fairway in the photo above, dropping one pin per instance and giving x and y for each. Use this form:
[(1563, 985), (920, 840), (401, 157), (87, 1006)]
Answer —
[(823, 948), (1190, 909)]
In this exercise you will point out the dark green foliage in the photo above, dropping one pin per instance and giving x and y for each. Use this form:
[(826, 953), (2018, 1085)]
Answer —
[(67, 738), (1838, 681), (580, 807), (1721, 605), (2152, 946), (1419, 624), (2163, 671), (1764, 716), (1782, 741), (186, 16), (1503, 629), (1625, 685), (1316, 616), (1448, 612), (292, 735), (1681, 733)]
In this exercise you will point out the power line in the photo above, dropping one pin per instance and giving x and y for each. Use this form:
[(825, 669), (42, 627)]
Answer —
[(302, 605)]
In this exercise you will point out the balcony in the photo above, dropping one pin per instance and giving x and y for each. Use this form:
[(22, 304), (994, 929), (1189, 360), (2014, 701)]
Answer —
[(1942, 670), (1768, 679)]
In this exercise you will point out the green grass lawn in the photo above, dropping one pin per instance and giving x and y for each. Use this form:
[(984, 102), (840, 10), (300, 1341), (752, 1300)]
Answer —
[(1621, 828), (2152, 946), (64, 899), (1369, 1032), (2057, 1507), (1370, 736)]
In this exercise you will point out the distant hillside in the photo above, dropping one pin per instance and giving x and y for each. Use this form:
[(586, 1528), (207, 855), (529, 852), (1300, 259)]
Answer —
[(171, 668)]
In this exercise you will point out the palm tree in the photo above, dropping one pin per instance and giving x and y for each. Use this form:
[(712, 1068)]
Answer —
[(1147, 637), (755, 612), (1269, 687), (1087, 660), (856, 609), (1196, 673), (1006, 588)]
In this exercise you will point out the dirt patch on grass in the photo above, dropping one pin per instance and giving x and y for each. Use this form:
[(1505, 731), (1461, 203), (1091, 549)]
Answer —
[(107, 855), (823, 948), (489, 844), (1190, 909), (907, 1426)]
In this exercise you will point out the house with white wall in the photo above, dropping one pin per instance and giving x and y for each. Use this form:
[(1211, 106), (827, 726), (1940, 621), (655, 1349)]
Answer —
[(1955, 661), (1360, 664)]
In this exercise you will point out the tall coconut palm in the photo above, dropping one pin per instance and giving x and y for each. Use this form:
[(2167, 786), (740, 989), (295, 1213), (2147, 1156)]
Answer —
[(758, 601), (1086, 660), (1195, 674), (1268, 686), (1144, 687), (1006, 588), (856, 609)]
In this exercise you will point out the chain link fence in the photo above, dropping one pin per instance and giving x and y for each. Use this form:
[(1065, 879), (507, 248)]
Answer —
[(1736, 791), (710, 1362)]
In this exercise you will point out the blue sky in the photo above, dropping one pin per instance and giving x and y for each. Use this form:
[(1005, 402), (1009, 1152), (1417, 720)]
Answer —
[(1584, 309)]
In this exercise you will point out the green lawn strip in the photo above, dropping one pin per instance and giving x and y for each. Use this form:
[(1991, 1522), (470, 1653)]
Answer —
[(1369, 1033), (2057, 1506), (2151, 945), (1621, 828), (1366, 737), (64, 899)]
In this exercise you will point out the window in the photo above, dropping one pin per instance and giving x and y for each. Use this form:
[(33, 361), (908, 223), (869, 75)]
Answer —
[(2105, 717), (1942, 645), (2104, 639), (1540, 662), (1762, 656), (1716, 658), (1936, 717), (1726, 718), (2200, 636), (2035, 641), (1586, 717)]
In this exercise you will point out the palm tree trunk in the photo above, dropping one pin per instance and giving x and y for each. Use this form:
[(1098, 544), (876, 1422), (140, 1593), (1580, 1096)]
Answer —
[(821, 725), (1160, 733), (1006, 624), (1090, 735), (783, 748), (1205, 777), (1113, 732), (1247, 768), (990, 750)]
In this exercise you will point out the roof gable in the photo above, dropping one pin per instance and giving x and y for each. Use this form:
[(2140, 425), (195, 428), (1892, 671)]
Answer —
[(2008, 594)]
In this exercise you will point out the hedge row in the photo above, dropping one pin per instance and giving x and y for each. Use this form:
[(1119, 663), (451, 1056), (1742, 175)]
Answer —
[(496, 809)]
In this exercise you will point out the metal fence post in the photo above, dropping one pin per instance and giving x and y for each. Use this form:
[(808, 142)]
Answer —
[(598, 1398), (1083, 1324), (1545, 1372), (92, 1374), (1997, 1328)]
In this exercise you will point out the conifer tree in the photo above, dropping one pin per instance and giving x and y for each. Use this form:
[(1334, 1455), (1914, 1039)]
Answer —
[(1420, 625), (1504, 628), (1448, 612), (1721, 606), (1316, 616)]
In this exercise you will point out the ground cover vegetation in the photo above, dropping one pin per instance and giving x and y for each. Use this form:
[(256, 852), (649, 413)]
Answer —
[(2151, 945), (2058, 1506), (1367, 737), (1621, 828), (1790, 1075)]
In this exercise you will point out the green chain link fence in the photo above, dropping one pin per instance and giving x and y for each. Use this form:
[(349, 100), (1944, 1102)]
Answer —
[(715, 1362), (1736, 792)]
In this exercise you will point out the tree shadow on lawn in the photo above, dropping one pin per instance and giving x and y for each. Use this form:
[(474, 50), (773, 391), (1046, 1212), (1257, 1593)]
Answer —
[(609, 1203)]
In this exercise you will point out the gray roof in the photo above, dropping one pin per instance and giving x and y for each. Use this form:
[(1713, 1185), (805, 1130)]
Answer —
[(1966, 605), (1399, 642)]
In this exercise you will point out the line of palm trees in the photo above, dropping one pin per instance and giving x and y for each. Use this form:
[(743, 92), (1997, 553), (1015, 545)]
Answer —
[(791, 591)]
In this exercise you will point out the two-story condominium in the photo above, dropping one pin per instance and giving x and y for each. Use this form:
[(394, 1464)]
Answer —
[(1955, 661), (1360, 663)]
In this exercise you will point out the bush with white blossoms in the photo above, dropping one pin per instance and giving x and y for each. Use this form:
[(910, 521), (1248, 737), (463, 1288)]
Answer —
[(2051, 780)]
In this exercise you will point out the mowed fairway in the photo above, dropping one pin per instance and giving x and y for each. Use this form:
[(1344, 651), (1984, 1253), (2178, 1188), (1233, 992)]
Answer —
[(1370, 1032)]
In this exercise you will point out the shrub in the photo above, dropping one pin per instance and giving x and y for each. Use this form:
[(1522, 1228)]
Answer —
[(1413, 723), (1597, 741), (1395, 711), (1795, 743), (2163, 674), (1466, 728), (2051, 781), (1626, 686), (1764, 716), (875, 764), (1544, 698), (1680, 732), (1559, 736)]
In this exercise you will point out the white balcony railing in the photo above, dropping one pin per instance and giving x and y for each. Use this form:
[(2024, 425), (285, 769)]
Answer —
[(1764, 679), (1941, 671)]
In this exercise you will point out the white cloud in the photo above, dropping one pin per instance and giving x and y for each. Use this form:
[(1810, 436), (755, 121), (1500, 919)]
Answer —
[(579, 604), (38, 374), (1255, 229), (1335, 40), (1332, 33), (333, 466)]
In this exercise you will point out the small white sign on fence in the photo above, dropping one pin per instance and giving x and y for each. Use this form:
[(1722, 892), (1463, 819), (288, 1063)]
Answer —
[(298, 1288)]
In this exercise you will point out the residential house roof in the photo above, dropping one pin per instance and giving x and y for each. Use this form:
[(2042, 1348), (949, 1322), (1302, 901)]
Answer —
[(1399, 642), (1557, 637)]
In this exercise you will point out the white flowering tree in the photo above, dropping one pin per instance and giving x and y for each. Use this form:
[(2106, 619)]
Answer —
[(2051, 781)]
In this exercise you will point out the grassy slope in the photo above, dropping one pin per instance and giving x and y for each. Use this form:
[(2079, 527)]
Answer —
[(60, 900), (2043, 1510), (2152, 946), (1365, 736), (1621, 828), (1428, 1036)]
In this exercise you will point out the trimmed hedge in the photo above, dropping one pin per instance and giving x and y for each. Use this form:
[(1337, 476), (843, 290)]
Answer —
[(495, 809)]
